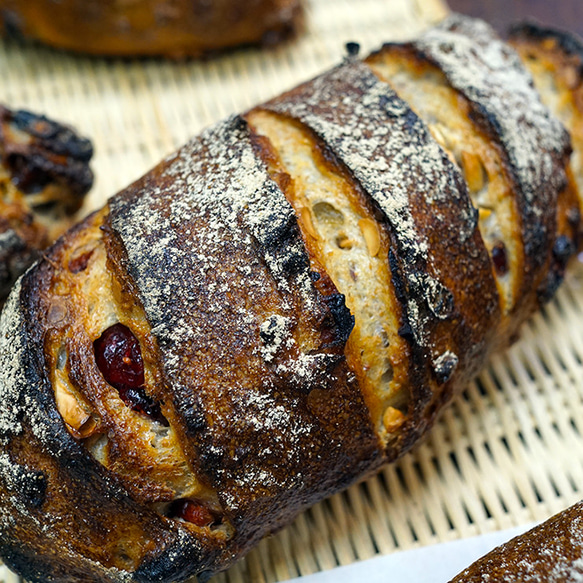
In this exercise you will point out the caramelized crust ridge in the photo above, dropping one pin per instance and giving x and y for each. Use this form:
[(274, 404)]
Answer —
[(447, 114), (505, 104), (555, 60), (341, 232)]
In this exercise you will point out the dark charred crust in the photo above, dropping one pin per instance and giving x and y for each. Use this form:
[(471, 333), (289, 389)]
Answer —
[(204, 576), (440, 301), (535, 243), (343, 319), (44, 175), (406, 332), (563, 249), (194, 419), (29, 567), (550, 285), (15, 256), (444, 367), (352, 49), (174, 564), (53, 153), (534, 132), (279, 242), (268, 333), (53, 136), (11, 25), (567, 41), (33, 171), (30, 486)]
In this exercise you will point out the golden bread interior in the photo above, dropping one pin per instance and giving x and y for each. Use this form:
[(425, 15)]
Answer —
[(343, 234), (145, 454), (446, 112)]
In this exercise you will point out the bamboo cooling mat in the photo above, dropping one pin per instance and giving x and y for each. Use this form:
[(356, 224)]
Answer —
[(507, 452)]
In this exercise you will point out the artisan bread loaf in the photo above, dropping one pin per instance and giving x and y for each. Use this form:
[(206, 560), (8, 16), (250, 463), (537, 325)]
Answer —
[(172, 28), (276, 310), (552, 552), (44, 175)]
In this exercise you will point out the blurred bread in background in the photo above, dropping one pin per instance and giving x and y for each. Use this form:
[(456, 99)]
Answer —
[(170, 28)]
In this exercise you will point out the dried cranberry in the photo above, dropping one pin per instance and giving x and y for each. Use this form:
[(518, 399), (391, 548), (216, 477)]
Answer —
[(80, 263), (193, 512), (119, 358), (499, 258)]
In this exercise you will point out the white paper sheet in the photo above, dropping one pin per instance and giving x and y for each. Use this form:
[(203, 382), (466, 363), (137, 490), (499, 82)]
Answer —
[(433, 564)]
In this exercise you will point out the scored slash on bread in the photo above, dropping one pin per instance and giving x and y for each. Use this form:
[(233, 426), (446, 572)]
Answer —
[(309, 284)]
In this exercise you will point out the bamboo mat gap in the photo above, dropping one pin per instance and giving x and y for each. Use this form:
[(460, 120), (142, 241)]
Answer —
[(509, 451)]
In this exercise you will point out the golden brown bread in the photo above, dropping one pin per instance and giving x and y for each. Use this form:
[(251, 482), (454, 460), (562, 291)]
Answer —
[(555, 59), (552, 552), (173, 28), (44, 175), (276, 310)]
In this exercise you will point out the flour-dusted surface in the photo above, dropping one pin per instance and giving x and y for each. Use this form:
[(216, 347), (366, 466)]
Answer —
[(552, 551), (491, 75), (247, 341), (508, 452), (418, 192)]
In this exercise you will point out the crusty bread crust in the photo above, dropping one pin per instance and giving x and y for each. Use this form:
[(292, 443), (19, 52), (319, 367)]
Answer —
[(416, 191), (549, 553), (259, 347), (555, 60)]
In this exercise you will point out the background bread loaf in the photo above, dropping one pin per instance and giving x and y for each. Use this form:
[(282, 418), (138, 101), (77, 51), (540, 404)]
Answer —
[(44, 175), (153, 27), (551, 551)]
